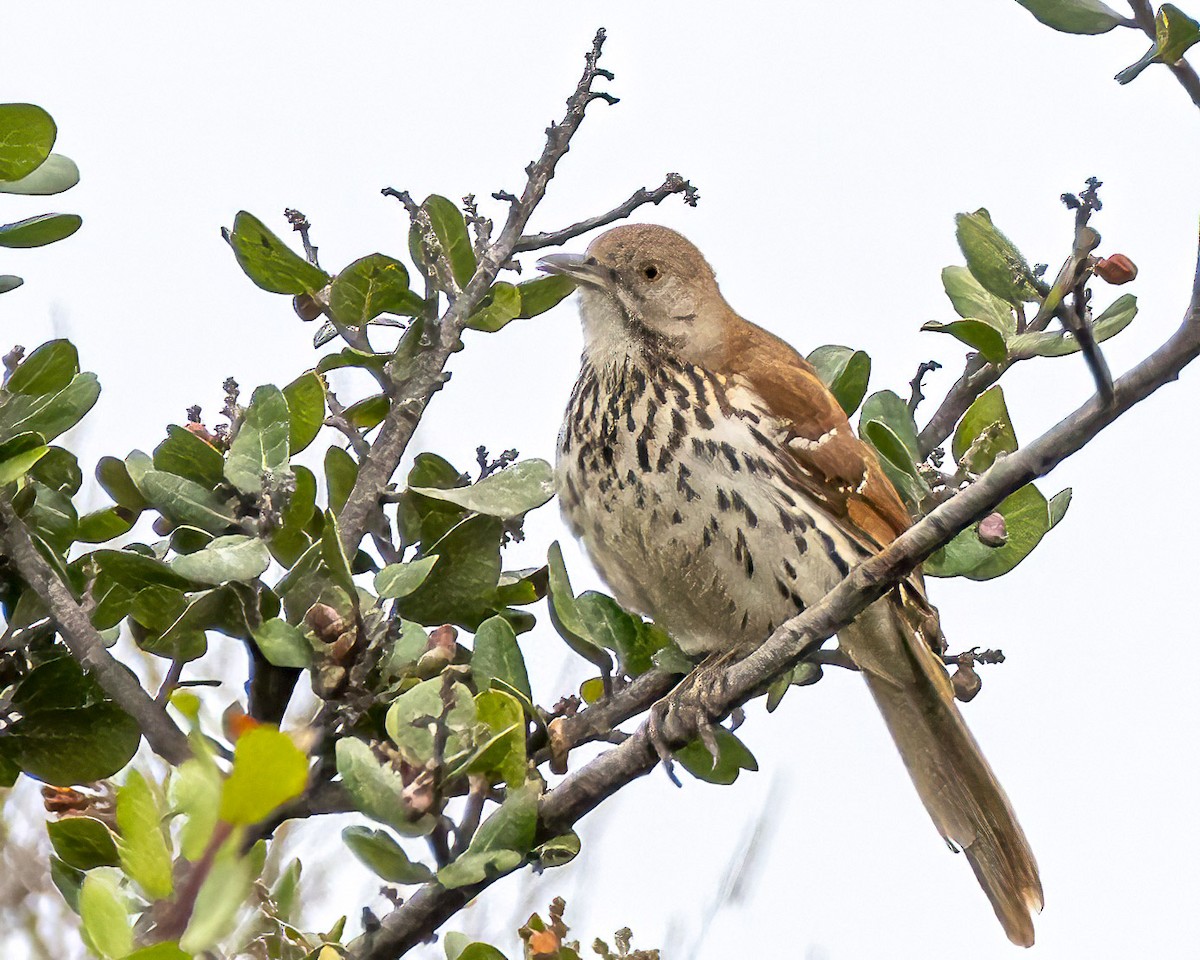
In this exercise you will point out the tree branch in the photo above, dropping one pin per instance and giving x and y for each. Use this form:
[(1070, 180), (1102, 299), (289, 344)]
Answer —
[(673, 183), (582, 791), (86, 644), (426, 376)]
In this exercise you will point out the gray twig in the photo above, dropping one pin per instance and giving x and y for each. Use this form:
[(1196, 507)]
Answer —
[(86, 644), (672, 184)]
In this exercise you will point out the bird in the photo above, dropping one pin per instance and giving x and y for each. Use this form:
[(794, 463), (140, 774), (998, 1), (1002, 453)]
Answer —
[(718, 488)]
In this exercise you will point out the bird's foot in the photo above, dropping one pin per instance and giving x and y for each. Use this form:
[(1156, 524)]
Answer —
[(685, 710)]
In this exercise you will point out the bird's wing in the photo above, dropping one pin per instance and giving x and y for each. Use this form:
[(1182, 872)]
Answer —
[(831, 463)]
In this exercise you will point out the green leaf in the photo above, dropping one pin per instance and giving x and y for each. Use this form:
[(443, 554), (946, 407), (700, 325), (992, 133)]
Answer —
[(485, 951), (167, 950), (83, 842), (260, 445), (400, 579), (305, 397), (47, 370), (496, 655), (974, 333), (100, 526), (1058, 506), (1074, 16), (1175, 33), (972, 302), (1115, 318), (106, 924), (236, 557), (55, 175), (49, 414), (499, 306), (896, 421), (538, 296), (185, 501), (9, 282), (408, 721), (341, 472), (267, 260), (845, 372), (15, 465), (890, 447), (368, 413), (224, 894), (370, 286), (46, 228), (268, 771), (289, 541), (384, 856), (506, 493), (27, 134), (113, 476), (451, 231), (987, 409), (145, 854), (187, 455), (461, 588), (196, 794), (501, 842), (58, 470), (1026, 518), (68, 882), (67, 732), (378, 790), (558, 850), (283, 644), (992, 258), (732, 759), (566, 616), (503, 752)]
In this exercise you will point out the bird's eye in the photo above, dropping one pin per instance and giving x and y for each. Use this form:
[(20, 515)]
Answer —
[(650, 271)]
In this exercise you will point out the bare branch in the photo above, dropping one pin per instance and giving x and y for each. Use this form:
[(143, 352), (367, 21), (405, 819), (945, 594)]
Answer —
[(425, 376), (916, 396), (672, 184), (585, 789), (86, 644)]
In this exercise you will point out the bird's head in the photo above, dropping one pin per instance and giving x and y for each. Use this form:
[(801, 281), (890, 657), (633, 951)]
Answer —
[(642, 282)]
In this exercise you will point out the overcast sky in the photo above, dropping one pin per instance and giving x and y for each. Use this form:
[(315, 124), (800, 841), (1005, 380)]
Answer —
[(832, 145)]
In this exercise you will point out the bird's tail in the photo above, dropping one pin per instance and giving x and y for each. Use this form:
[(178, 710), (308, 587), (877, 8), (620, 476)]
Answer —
[(958, 788)]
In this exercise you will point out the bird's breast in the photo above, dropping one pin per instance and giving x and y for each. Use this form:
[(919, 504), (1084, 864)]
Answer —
[(679, 487)]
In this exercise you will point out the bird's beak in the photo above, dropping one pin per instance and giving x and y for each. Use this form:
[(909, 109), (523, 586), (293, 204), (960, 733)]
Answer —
[(577, 266)]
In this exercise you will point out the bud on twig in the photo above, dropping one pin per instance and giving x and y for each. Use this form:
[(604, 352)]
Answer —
[(1116, 269), (993, 531), (966, 683)]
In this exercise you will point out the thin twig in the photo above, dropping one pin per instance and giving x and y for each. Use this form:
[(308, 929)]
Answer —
[(582, 791), (916, 396), (672, 184), (86, 644)]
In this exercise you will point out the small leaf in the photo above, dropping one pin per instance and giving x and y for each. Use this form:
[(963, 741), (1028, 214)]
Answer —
[(224, 894), (451, 231), (15, 465), (408, 720), (100, 526), (190, 456), (499, 306), (890, 447), (39, 231), (987, 409), (566, 616), (972, 302), (1175, 33), (1074, 16), (185, 501), (145, 855), (1115, 318), (501, 842), (196, 794), (56, 174), (976, 334), (9, 282), (268, 771), (538, 296), (506, 493), (400, 579), (268, 261), (106, 922), (283, 644), (1058, 509), (370, 286), (341, 472), (378, 790), (47, 370), (992, 258), (236, 557), (382, 854), (558, 850), (305, 397), (502, 755), (27, 134), (845, 372), (260, 445), (368, 413), (496, 655), (83, 842), (732, 759), (49, 414)]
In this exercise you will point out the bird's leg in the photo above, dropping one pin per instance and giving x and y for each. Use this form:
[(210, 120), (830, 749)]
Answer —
[(689, 700)]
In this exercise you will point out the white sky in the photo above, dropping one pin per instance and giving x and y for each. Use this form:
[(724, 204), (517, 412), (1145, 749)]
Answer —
[(832, 145)]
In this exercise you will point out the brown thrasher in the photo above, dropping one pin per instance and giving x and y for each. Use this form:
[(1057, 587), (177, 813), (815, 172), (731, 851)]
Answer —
[(719, 488)]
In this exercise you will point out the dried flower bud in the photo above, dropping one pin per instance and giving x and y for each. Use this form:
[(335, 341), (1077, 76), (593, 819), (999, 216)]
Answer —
[(544, 943), (444, 638), (340, 649), (993, 531), (1116, 269), (328, 680), (966, 683), (325, 622), (306, 307), (235, 722)]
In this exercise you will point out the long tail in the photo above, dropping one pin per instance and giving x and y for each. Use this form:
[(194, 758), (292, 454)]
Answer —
[(955, 783)]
